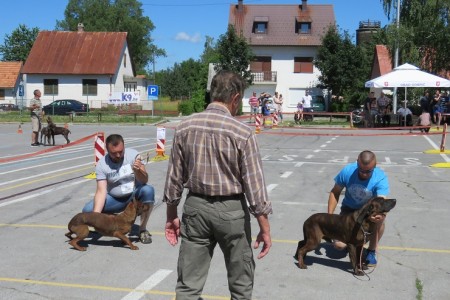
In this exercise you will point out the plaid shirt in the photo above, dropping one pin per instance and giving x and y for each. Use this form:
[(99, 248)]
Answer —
[(213, 154)]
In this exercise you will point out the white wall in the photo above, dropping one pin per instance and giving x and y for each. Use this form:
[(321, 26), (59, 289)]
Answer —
[(291, 85)]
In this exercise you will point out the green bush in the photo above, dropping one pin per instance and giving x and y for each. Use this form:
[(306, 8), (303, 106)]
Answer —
[(186, 107)]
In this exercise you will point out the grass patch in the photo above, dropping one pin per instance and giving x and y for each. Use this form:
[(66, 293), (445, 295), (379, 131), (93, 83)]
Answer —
[(419, 287)]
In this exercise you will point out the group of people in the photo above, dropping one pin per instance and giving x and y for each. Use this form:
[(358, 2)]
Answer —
[(225, 186), (377, 110), (433, 107), (262, 104)]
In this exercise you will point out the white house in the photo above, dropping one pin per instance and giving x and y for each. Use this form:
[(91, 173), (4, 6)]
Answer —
[(284, 39), (9, 81), (92, 67)]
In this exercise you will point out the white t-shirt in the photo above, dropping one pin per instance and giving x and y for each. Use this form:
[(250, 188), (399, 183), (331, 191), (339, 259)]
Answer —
[(307, 101), (119, 176)]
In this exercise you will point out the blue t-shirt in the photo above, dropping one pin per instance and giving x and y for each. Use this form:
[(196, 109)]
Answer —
[(357, 191)]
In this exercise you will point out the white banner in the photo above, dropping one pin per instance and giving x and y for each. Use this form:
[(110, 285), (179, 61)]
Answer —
[(123, 98)]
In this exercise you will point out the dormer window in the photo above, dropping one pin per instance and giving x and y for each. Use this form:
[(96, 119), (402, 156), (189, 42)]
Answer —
[(260, 25), (303, 27)]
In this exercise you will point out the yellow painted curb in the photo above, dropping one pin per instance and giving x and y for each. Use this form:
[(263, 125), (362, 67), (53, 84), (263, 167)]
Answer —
[(441, 165), (436, 151)]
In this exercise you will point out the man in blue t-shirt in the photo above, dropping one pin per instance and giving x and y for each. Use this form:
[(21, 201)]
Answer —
[(362, 181)]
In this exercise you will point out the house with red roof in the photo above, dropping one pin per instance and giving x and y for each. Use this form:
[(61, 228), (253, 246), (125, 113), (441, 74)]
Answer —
[(9, 81), (93, 67), (284, 39)]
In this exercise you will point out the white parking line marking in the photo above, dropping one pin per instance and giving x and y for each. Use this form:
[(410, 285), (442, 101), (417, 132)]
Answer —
[(147, 285), (270, 187), (286, 174), (299, 164), (309, 156), (44, 192), (323, 146)]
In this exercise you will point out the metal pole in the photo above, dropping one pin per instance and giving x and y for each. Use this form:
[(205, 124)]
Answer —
[(394, 98)]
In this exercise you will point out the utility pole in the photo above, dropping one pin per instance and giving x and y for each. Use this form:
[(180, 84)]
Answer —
[(394, 98)]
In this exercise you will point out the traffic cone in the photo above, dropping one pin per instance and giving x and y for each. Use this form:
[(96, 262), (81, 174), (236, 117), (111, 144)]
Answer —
[(19, 130), (258, 124)]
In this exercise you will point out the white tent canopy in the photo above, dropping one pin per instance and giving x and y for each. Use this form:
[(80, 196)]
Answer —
[(406, 76)]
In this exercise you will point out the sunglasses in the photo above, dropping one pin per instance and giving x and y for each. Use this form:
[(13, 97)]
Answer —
[(364, 171)]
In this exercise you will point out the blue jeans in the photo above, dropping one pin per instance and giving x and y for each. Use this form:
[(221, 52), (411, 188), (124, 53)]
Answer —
[(144, 193)]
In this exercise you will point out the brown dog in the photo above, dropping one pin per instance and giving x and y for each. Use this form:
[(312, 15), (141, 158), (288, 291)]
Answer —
[(45, 134), (55, 130), (105, 224), (350, 229)]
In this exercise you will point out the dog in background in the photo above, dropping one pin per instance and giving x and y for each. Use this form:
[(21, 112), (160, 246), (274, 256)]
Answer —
[(105, 224), (350, 229), (45, 134), (56, 130)]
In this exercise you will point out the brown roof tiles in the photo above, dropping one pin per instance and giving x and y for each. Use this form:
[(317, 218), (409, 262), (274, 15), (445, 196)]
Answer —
[(281, 23), (9, 72), (64, 52)]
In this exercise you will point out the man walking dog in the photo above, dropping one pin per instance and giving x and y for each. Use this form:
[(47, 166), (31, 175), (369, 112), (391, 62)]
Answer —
[(36, 117), (121, 177), (362, 181)]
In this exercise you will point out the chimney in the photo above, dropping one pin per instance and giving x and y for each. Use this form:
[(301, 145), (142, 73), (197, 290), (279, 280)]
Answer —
[(304, 5), (240, 5), (80, 27)]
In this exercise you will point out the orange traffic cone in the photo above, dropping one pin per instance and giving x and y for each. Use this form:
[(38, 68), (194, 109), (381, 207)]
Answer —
[(19, 130)]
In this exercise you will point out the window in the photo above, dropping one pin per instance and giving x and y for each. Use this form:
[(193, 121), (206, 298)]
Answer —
[(303, 64), (51, 87), (303, 27), (130, 86), (125, 60), (260, 25), (89, 87)]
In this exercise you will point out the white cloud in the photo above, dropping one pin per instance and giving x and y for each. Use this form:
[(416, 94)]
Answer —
[(183, 36)]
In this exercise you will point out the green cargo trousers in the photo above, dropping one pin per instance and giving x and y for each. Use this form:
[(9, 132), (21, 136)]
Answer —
[(206, 221)]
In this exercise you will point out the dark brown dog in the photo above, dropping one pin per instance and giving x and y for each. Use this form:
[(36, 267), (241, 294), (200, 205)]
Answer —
[(105, 224), (350, 229), (55, 130), (45, 133)]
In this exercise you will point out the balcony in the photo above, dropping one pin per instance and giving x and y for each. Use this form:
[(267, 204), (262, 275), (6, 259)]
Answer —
[(264, 77)]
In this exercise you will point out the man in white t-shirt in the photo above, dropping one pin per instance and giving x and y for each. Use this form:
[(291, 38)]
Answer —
[(121, 177), (306, 100)]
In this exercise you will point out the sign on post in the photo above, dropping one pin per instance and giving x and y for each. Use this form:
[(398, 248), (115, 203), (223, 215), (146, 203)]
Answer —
[(152, 92)]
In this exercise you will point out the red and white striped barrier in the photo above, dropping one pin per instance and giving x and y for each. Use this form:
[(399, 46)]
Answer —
[(275, 120), (99, 146), (161, 140), (258, 123), (99, 151)]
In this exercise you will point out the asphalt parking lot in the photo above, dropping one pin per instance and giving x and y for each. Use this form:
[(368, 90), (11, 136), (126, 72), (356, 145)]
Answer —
[(42, 188)]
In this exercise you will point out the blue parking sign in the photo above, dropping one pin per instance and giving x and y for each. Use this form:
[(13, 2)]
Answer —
[(152, 92), (20, 90)]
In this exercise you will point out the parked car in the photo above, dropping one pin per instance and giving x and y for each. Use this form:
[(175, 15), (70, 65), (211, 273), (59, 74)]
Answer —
[(8, 107), (65, 106)]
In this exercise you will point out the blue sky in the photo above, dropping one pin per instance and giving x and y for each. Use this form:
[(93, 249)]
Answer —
[(181, 26)]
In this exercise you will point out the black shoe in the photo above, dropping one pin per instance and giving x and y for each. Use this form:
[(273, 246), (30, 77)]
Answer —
[(35, 145)]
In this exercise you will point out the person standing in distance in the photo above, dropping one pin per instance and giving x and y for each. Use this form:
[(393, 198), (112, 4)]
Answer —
[(362, 181), (217, 159), (306, 100), (253, 101), (36, 117)]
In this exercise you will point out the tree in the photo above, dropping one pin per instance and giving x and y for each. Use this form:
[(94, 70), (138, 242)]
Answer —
[(116, 16), (234, 54), (424, 26), (18, 45), (344, 66)]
